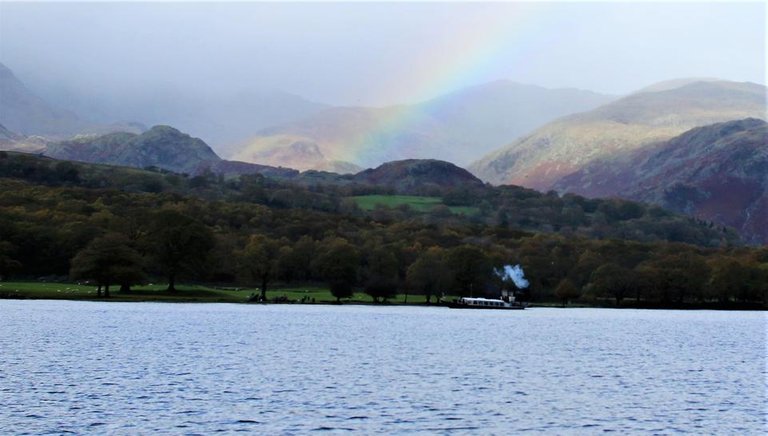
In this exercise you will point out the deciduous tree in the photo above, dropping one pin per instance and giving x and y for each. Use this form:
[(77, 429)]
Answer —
[(108, 260), (430, 273), (179, 244), (337, 262), (259, 261)]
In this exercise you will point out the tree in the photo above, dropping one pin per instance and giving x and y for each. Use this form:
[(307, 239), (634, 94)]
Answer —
[(295, 262), (430, 273), (179, 244), (613, 280), (567, 291), (8, 264), (471, 268), (259, 260), (337, 263), (381, 273), (108, 259), (728, 276), (737, 279), (683, 274)]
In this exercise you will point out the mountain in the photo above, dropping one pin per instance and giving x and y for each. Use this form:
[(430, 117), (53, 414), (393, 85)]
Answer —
[(409, 174), (161, 146), (717, 172), (568, 144), (456, 127), (24, 112)]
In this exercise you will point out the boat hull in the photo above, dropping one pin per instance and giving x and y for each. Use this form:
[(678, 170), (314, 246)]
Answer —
[(467, 306)]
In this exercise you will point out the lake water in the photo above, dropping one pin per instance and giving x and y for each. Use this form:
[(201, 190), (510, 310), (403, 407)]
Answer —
[(127, 368)]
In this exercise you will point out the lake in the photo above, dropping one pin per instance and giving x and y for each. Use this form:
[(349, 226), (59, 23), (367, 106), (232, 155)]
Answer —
[(127, 368)]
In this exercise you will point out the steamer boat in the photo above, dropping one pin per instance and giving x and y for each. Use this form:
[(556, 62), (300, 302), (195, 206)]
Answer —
[(506, 302)]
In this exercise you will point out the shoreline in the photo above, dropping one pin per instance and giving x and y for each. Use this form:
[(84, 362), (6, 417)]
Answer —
[(735, 307)]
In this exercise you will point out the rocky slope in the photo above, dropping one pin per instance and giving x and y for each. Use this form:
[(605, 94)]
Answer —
[(161, 146), (717, 172), (655, 114), (457, 127)]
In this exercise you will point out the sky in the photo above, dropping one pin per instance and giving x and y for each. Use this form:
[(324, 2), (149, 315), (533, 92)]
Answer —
[(376, 53)]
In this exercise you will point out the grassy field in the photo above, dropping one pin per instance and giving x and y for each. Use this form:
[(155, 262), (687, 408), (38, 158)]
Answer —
[(420, 204), (185, 293)]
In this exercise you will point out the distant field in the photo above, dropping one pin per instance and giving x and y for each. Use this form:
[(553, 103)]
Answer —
[(420, 204), (185, 293)]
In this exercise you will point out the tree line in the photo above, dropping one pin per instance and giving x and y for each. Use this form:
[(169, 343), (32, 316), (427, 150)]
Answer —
[(117, 239)]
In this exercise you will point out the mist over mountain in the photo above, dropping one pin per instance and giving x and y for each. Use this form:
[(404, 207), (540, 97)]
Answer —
[(23, 112), (223, 119), (564, 146), (456, 127), (13, 141)]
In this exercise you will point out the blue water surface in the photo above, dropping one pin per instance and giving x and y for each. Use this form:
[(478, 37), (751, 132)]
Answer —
[(128, 368)]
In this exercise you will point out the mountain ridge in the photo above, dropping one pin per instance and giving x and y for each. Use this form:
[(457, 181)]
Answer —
[(563, 146)]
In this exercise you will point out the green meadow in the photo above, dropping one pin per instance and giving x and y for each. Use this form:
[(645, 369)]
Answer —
[(419, 204)]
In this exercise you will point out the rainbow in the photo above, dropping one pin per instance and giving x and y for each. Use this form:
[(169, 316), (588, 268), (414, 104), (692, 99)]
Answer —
[(471, 57)]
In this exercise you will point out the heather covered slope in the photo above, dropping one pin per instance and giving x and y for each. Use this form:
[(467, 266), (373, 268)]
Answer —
[(717, 172), (565, 146), (457, 127)]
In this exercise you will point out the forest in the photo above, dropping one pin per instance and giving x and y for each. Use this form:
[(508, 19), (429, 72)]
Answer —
[(118, 227)]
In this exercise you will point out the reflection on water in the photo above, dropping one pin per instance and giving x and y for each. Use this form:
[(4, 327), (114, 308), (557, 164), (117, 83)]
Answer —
[(203, 368)]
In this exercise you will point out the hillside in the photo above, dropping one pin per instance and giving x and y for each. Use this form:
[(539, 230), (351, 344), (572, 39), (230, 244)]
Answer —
[(457, 127), (414, 174), (507, 211), (54, 210), (717, 172), (566, 145)]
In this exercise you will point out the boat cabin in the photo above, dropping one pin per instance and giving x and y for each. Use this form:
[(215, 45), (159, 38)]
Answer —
[(483, 302)]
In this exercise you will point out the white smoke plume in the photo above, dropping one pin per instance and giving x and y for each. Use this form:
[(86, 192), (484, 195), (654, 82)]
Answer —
[(514, 273)]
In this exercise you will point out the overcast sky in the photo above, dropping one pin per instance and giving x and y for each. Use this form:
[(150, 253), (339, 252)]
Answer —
[(367, 53)]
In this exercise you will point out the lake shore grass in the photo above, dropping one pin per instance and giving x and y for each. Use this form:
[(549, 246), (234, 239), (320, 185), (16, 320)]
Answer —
[(188, 293), (184, 293)]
